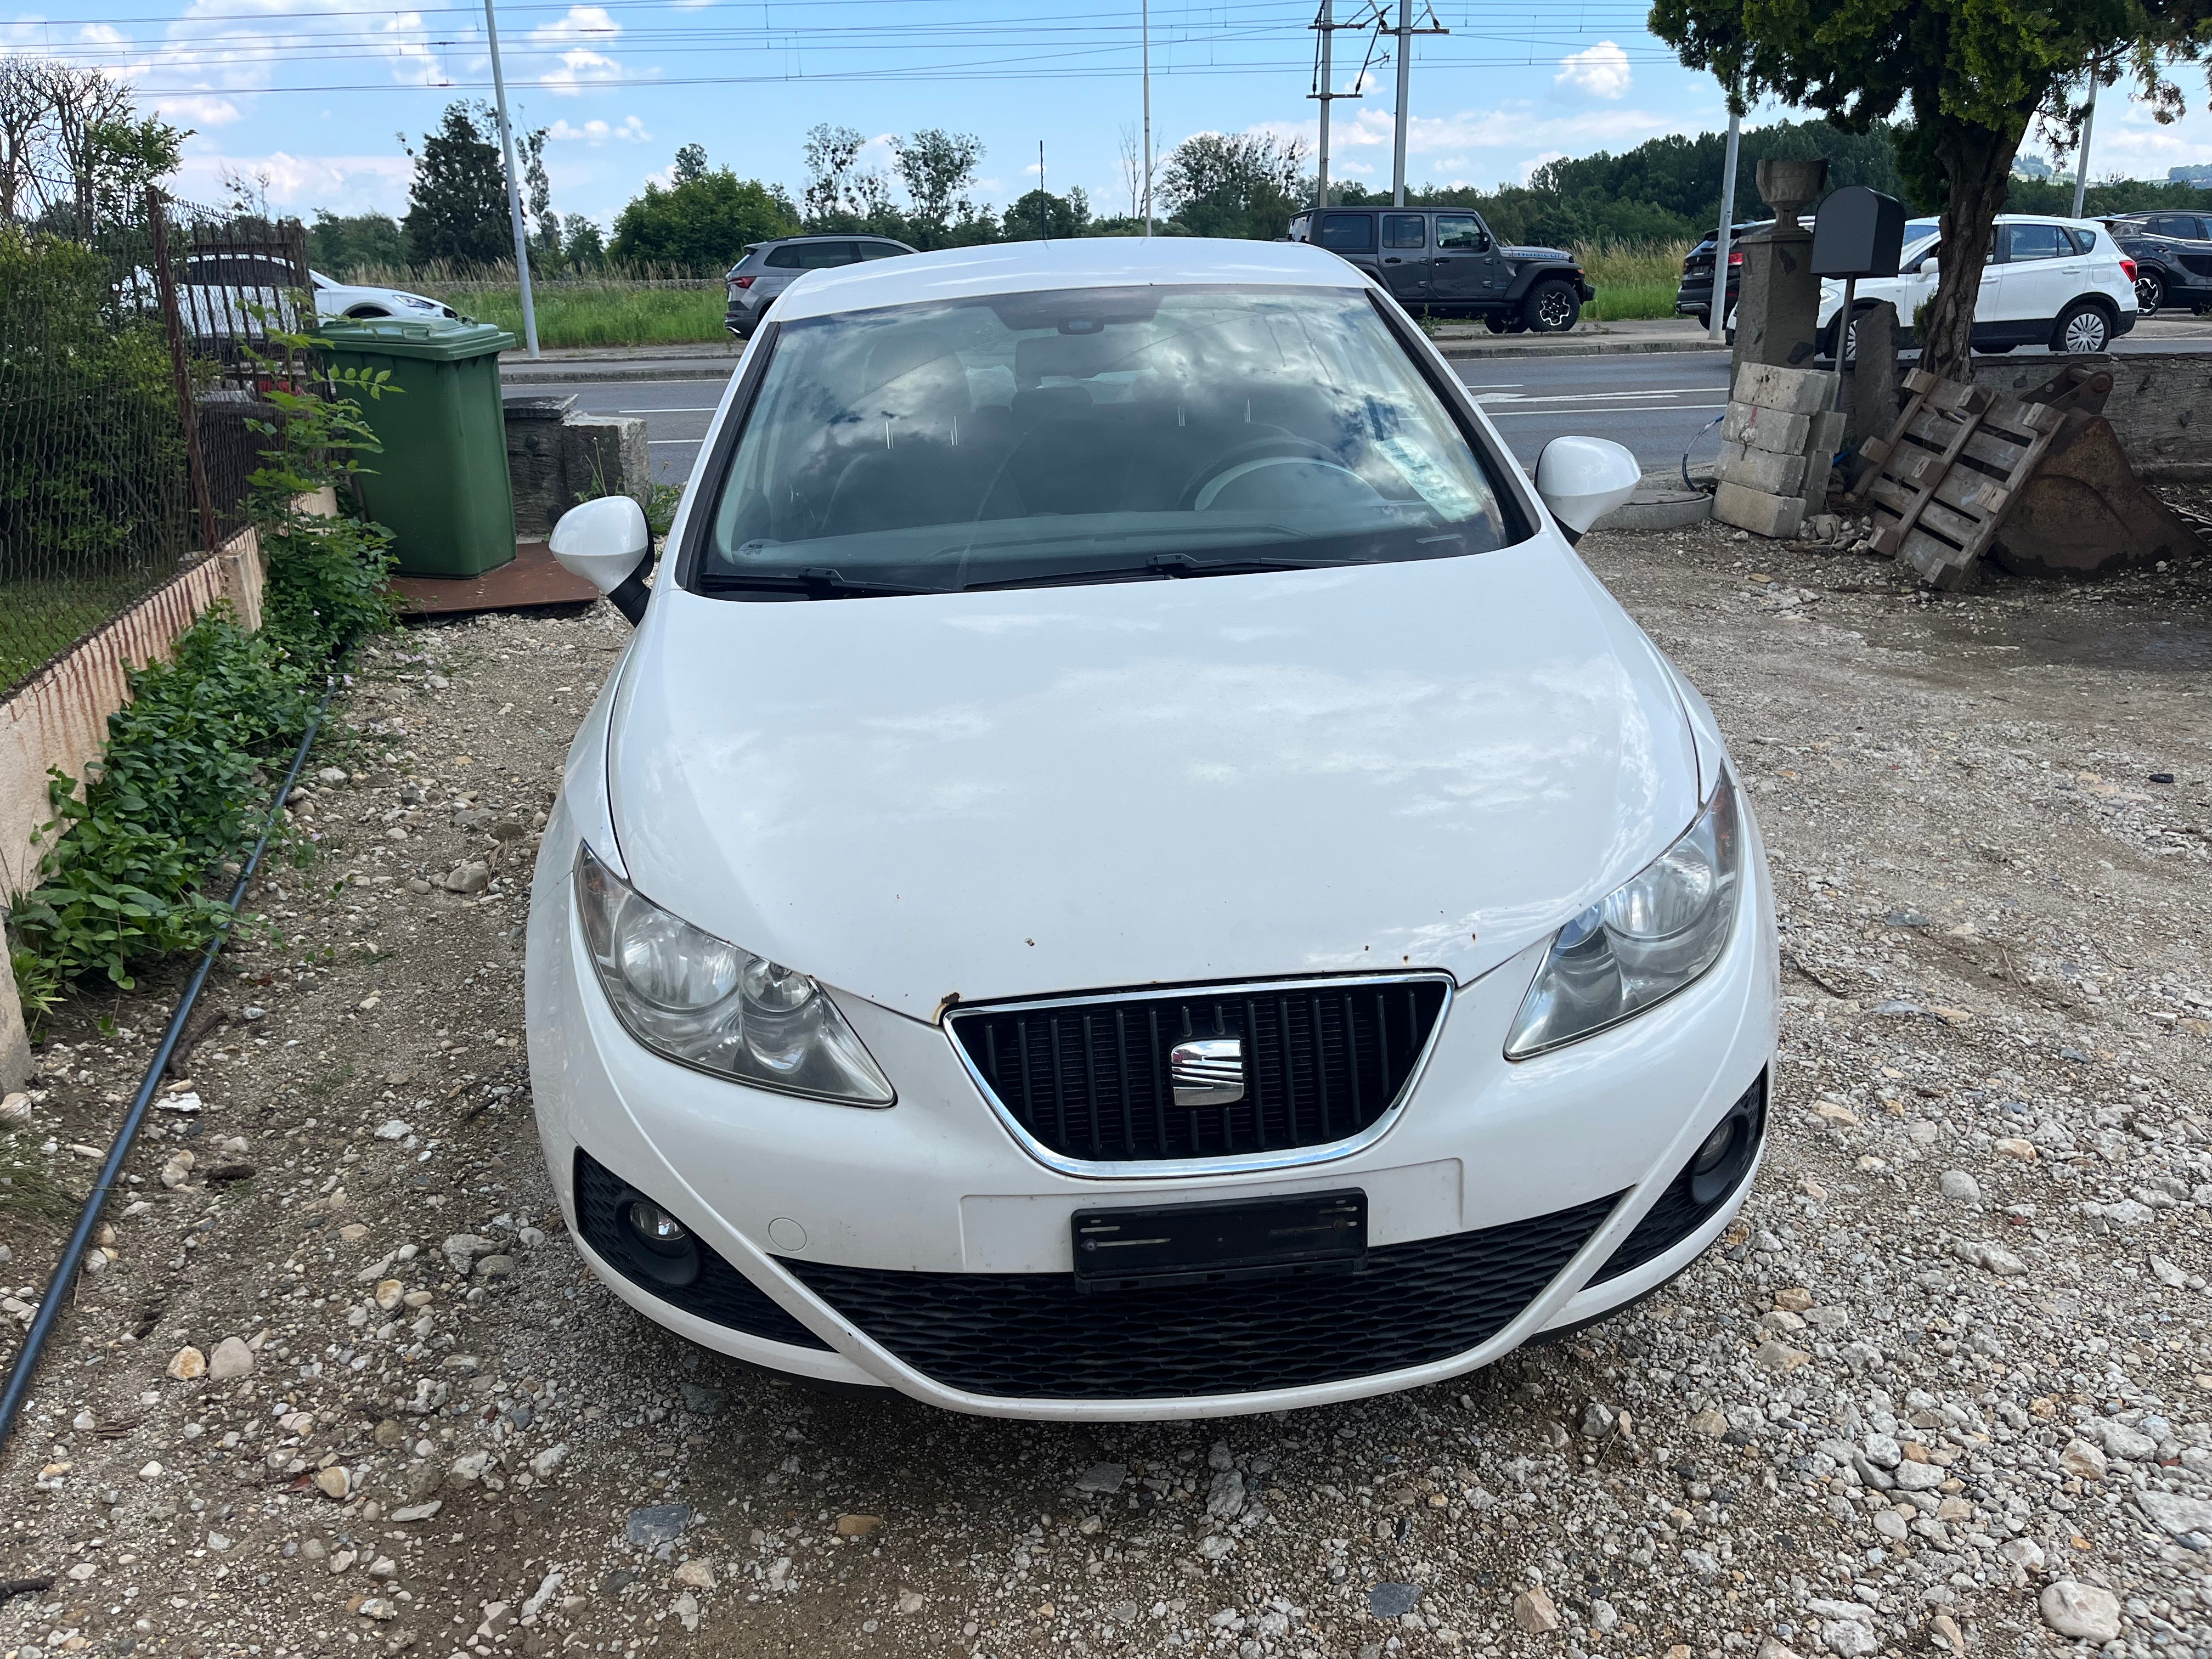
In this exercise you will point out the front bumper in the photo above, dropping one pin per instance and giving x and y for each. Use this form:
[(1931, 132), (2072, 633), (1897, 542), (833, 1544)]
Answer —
[(864, 1243)]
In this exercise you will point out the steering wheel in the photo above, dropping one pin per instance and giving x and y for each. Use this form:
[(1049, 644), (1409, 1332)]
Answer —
[(1273, 465)]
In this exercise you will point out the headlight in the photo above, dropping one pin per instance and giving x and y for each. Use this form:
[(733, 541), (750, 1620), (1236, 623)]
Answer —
[(701, 1002), (1642, 942)]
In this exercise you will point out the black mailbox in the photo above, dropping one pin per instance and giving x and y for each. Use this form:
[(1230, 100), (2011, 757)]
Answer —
[(1857, 233)]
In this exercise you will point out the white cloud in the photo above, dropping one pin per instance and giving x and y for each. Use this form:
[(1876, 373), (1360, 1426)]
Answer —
[(197, 110), (1601, 71), (579, 33), (345, 184), (629, 131)]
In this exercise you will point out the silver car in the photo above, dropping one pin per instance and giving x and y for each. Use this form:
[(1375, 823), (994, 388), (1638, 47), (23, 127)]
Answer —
[(767, 268)]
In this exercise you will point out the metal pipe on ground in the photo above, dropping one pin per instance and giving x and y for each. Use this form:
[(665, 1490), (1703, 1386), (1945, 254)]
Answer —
[(16, 1395)]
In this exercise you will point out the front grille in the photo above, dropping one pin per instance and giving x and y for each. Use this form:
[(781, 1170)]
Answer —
[(1031, 1336), (1679, 1213), (1323, 1062), (720, 1293)]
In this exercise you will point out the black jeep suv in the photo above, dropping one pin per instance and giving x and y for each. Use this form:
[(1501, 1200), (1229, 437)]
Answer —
[(1445, 261), (2173, 254)]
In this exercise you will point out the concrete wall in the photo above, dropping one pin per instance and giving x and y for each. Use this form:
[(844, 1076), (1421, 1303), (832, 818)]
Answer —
[(60, 718), (2160, 408)]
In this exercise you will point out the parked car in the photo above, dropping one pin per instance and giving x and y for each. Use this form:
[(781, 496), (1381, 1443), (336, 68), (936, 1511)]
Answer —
[(1128, 871), (766, 269), (236, 295), (2173, 254), (334, 299), (2063, 283), (1695, 296), (1444, 260)]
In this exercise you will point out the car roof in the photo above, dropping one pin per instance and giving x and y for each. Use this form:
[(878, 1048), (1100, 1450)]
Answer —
[(1085, 261)]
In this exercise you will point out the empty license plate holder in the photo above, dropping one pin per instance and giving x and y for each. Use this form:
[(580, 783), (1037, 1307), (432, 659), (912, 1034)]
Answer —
[(1139, 1247)]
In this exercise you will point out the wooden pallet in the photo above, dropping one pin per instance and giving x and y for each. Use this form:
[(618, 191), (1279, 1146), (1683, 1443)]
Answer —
[(1948, 472)]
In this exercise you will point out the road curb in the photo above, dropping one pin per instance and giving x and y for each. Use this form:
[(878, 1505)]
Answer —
[(1593, 348), (546, 375)]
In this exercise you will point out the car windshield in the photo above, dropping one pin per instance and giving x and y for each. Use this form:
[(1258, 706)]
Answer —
[(1091, 434)]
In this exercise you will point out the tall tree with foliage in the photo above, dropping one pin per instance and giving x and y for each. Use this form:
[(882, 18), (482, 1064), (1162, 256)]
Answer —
[(702, 222), (831, 154), (1041, 215), (338, 243), (1973, 74), (456, 204), (937, 168), (1245, 184)]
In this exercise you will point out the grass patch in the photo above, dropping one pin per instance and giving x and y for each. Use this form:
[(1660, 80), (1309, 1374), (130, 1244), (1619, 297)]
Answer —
[(597, 313), (41, 616), (27, 1191), (1634, 281)]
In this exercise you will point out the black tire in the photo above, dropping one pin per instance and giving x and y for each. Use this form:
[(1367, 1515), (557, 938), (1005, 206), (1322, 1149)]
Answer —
[(1494, 321), (2150, 292), (2084, 328), (1841, 345), (1705, 320), (1553, 307)]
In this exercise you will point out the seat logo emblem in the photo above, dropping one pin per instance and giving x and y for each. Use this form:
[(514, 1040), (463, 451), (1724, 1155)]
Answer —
[(1207, 1072)]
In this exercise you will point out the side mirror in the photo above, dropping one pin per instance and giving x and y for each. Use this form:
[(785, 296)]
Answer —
[(1582, 479), (608, 543)]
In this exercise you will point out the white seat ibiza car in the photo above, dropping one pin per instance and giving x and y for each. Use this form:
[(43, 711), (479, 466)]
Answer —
[(1128, 871)]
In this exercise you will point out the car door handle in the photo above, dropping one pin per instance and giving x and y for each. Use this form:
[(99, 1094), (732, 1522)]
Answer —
[(1393, 260)]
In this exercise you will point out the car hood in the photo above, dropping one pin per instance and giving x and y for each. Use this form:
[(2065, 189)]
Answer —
[(1425, 764), (1536, 254)]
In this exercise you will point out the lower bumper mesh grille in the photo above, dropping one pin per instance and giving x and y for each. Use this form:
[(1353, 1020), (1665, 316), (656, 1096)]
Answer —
[(1678, 1211), (1031, 1336)]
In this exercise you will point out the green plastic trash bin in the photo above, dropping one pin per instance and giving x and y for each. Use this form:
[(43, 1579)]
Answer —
[(441, 484)]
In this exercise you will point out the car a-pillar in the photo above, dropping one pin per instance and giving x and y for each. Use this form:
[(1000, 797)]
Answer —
[(1779, 302)]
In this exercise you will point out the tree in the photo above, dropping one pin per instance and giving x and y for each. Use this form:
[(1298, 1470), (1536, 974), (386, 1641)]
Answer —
[(701, 224), (583, 248), (544, 224), (831, 154), (936, 167), (1129, 161), (690, 164), (340, 243), (73, 153), (1972, 73), (1244, 184), (1041, 214), (457, 204)]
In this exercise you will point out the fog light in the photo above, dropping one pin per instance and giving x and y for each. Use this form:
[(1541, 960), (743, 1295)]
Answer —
[(1716, 1147), (658, 1231)]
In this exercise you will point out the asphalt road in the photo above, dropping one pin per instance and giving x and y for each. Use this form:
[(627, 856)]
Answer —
[(1658, 403)]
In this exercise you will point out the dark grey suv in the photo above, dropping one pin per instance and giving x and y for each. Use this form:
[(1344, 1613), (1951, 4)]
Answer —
[(2173, 254), (767, 268)]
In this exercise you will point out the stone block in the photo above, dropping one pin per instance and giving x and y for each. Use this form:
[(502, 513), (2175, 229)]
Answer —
[(603, 455), (1822, 444), (1779, 302), (534, 456), (1762, 470), (1778, 516), (1765, 429), (1791, 391)]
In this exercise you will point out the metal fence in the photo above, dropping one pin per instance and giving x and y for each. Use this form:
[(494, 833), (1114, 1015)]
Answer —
[(128, 375)]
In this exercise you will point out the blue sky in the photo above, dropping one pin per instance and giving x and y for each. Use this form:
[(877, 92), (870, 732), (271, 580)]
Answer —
[(312, 93)]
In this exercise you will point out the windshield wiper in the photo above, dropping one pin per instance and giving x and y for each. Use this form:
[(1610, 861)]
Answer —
[(816, 582), (1162, 567)]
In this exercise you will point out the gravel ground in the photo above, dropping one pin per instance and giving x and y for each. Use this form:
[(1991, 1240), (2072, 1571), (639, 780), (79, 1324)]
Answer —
[(342, 1384)]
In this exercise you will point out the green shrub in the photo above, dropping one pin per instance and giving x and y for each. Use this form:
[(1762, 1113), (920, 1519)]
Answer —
[(181, 783)]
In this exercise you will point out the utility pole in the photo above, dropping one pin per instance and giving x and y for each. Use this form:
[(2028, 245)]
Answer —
[(1044, 201), (2081, 161), (1325, 90), (513, 186), (1145, 13), (1405, 31), (1716, 308)]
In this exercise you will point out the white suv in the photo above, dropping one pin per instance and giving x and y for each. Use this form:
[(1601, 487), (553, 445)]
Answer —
[(2057, 282)]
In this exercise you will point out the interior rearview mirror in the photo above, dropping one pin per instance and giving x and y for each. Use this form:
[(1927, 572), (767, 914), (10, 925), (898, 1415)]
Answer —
[(1582, 479), (608, 543)]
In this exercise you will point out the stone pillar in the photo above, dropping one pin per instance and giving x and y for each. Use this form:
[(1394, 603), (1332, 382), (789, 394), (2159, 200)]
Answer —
[(1777, 309), (534, 459), (1872, 392), (603, 455)]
